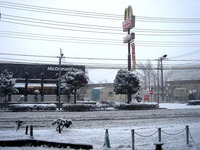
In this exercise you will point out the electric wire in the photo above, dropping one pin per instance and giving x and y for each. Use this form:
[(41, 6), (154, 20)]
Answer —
[(41, 9), (100, 32), (98, 65), (93, 65), (85, 40), (63, 24), (59, 23), (60, 28), (51, 37), (81, 25), (92, 58)]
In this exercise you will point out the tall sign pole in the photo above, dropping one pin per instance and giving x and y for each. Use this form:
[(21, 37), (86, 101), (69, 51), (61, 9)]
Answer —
[(128, 24)]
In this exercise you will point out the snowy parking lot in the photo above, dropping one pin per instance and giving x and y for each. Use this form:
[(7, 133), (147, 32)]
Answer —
[(89, 127)]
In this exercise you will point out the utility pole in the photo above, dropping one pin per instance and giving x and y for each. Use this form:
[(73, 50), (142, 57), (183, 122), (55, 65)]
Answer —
[(162, 87), (59, 77), (161, 69), (158, 91)]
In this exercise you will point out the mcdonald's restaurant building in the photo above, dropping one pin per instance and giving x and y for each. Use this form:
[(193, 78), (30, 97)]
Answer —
[(40, 77)]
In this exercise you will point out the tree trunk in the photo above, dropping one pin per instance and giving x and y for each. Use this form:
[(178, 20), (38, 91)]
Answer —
[(5, 103), (75, 96), (129, 97)]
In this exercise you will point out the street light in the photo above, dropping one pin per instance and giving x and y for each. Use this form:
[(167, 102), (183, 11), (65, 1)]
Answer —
[(161, 68)]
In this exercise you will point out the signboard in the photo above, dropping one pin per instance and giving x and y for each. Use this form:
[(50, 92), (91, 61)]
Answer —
[(129, 19), (133, 57), (146, 97), (128, 24), (129, 37), (151, 91)]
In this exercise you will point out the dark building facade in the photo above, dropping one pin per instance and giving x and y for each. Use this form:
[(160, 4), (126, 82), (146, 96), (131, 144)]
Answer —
[(41, 77)]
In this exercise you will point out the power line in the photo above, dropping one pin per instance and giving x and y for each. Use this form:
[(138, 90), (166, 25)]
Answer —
[(60, 28), (168, 20), (183, 55), (14, 33), (92, 58), (96, 65), (58, 23), (58, 11), (99, 32), (56, 38), (93, 14), (165, 31), (41, 9), (98, 27)]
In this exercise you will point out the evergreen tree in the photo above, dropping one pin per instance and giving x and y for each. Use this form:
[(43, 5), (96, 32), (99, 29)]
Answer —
[(73, 80), (126, 82), (7, 85)]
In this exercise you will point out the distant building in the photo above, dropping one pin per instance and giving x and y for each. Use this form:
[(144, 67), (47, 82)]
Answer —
[(103, 91), (182, 81)]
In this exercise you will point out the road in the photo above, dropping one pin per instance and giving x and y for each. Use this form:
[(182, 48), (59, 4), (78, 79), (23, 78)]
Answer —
[(104, 119)]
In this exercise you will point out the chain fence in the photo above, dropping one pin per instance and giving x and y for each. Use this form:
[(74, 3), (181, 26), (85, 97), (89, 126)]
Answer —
[(160, 143)]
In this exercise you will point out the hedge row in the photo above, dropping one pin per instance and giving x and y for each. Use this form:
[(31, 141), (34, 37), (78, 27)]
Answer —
[(79, 107), (135, 106), (31, 107), (194, 102)]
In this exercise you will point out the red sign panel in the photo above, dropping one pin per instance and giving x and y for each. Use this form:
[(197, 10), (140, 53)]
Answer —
[(133, 56), (129, 37), (146, 97), (128, 24), (151, 91)]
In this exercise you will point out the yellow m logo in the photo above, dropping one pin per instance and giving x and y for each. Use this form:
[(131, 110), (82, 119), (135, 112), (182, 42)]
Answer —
[(128, 13)]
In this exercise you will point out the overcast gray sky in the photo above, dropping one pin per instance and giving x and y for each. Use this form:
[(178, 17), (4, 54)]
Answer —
[(93, 29)]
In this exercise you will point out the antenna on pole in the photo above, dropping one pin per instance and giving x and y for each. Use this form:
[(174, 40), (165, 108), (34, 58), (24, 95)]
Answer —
[(61, 54)]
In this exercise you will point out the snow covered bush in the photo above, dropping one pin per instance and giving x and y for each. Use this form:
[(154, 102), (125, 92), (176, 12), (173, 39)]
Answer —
[(136, 106), (79, 107), (194, 102), (31, 107), (61, 123)]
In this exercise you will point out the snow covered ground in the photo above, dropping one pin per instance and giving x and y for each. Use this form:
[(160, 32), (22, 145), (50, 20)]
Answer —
[(173, 132)]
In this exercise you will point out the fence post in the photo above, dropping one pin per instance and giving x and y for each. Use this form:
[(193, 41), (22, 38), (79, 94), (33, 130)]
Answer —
[(133, 139), (31, 130), (26, 132), (59, 129), (159, 134), (187, 135)]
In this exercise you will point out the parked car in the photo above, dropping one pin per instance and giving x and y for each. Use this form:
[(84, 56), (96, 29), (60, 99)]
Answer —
[(103, 104)]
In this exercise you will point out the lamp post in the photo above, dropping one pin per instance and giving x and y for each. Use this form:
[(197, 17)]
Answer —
[(59, 77), (161, 69)]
